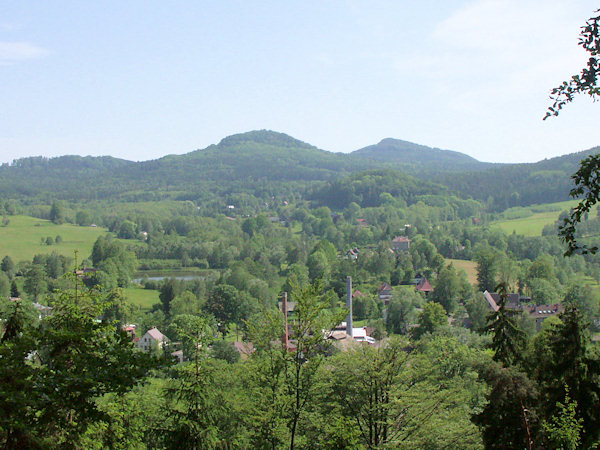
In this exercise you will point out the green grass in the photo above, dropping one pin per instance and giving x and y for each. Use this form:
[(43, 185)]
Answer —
[(296, 228), (21, 238), (470, 267), (535, 223), (593, 284), (144, 298)]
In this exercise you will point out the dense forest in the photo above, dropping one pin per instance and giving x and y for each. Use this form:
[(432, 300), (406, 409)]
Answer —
[(476, 338), (267, 164)]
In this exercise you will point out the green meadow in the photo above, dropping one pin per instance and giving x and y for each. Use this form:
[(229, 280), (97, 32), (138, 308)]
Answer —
[(535, 218), (21, 238), (144, 298), (470, 267)]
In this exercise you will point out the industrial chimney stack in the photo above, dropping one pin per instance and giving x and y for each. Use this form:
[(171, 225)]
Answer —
[(349, 331)]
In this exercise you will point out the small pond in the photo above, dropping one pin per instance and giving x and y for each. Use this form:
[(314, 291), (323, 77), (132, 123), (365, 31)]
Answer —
[(177, 277)]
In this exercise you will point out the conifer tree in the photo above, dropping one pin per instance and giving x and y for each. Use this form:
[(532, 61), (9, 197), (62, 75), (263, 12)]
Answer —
[(508, 340), (569, 365)]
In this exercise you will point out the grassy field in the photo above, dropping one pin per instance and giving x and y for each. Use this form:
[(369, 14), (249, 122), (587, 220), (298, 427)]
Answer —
[(21, 239), (144, 298), (593, 284), (468, 266), (535, 223)]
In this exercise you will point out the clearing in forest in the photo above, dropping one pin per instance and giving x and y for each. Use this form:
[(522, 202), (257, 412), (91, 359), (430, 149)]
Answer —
[(533, 218), (470, 267), (144, 298), (21, 239)]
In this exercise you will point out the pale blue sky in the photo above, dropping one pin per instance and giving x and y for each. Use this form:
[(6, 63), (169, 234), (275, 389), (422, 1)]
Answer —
[(142, 79)]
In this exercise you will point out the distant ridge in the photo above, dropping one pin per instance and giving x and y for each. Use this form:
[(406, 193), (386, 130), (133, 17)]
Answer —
[(403, 152), (276, 164)]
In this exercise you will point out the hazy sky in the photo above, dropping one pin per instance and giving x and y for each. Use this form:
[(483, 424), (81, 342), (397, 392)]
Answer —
[(142, 79)]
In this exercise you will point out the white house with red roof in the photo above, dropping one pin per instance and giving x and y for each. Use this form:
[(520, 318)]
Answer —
[(153, 338)]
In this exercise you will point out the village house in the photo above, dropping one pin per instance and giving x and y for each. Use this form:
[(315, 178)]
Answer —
[(352, 254), (401, 243), (357, 294), (86, 272), (130, 330), (344, 341), (513, 300), (153, 338), (178, 355), (424, 286), (385, 292), (539, 313)]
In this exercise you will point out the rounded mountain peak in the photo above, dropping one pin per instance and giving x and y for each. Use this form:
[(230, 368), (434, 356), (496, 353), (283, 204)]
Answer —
[(266, 137)]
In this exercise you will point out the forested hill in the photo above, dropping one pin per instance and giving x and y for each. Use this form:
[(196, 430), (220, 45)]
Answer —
[(72, 176), (510, 185), (417, 156), (240, 163), (265, 164), (266, 161), (256, 155)]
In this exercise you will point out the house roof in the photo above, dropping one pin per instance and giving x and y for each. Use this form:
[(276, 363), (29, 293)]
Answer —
[(244, 348), (155, 334), (424, 285), (357, 293), (491, 301), (86, 270), (543, 311), (401, 239), (361, 334), (384, 287), (513, 301), (337, 334)]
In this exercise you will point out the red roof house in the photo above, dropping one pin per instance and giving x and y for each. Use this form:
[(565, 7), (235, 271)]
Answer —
[(424, 286)]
